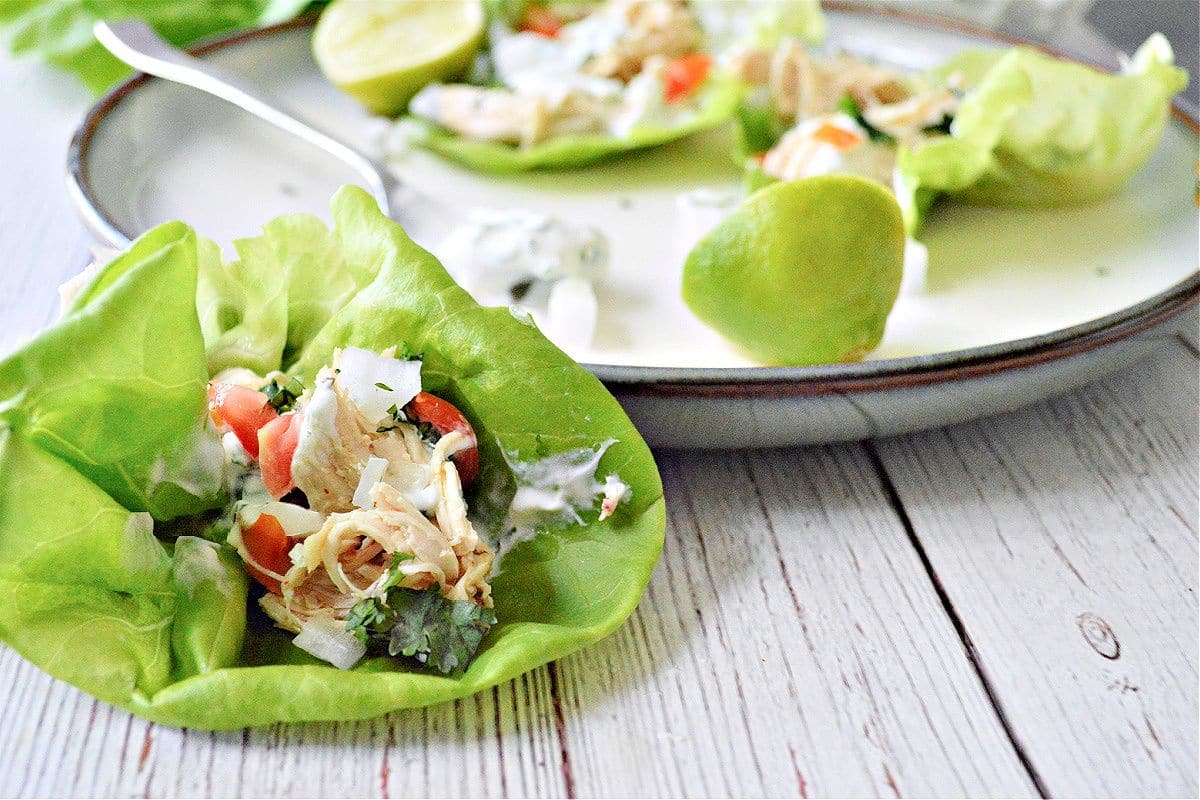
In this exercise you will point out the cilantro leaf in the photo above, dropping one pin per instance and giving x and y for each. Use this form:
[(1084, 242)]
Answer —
[(438, 632), (283, 398), (421, 624)]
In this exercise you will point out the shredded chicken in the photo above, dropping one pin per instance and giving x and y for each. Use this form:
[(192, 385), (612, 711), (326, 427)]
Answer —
[(907, 119), (802, 152), (345, 560), (801, 87), (416, 509), (502, 115), (336, 441), (652, 28)]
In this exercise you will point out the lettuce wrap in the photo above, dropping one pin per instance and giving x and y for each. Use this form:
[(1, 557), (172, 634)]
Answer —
[(716, 101), (105, 463), (1033, 130)]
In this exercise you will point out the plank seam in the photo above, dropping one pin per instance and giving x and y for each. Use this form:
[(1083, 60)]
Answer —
[(893, 498), (560, 728)]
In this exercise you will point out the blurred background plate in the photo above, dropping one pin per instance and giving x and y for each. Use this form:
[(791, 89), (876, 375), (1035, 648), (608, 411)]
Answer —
[(1016, 304)]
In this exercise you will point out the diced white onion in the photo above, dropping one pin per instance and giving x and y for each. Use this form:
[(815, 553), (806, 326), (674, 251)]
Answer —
[(372, 474), (376, 383), (296, 521), (615, 490), (328, 640)]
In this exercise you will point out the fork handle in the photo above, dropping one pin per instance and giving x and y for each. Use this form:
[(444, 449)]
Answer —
[(136, 43)]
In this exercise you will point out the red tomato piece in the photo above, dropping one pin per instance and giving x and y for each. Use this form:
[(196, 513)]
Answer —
[(445, 418), (684, 74), (277, 442), (241, 410), (542, 21), (268, 545)]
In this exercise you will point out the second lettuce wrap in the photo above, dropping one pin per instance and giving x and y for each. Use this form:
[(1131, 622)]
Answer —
[(1034, 130)]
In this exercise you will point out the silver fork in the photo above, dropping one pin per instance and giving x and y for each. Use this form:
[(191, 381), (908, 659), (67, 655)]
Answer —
[(136, 43)]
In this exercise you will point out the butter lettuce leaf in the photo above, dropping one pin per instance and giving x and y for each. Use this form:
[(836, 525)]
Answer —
[(716, 102), (60, 31), (165, 627), (1033, 130)]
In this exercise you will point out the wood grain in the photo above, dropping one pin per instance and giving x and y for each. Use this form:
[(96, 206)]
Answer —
[(1082, 515), (790, 644), (499, 743)]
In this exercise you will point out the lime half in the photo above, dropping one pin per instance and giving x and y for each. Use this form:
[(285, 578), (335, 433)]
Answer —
[(803, 272), (383, 51)]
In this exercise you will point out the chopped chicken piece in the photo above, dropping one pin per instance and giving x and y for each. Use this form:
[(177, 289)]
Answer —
[(822, 145), (490, 115), (336, 441), (344, 561), (802, 87), (652, 28), (907, 119), (501, 115)]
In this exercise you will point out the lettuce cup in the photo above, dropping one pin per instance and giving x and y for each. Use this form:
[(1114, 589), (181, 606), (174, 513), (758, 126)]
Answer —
[(1009, 127), (315, 482), (562, 85)]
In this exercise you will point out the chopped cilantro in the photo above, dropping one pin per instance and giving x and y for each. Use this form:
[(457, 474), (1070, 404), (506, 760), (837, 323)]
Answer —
[(420, 624), (282, 397), (383, 386), (397, 416), (436, 631)]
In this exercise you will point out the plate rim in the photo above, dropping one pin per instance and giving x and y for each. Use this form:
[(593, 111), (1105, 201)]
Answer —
[(768, 382)]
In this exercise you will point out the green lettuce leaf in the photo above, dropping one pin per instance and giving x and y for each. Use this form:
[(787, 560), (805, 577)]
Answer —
[(717, 100), (164, 629), (1037, 131), (772, 22), (60, 31)]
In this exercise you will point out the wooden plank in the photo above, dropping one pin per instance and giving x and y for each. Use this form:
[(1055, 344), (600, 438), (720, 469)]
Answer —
[(1065, 540), (790, 644), (64, 743)]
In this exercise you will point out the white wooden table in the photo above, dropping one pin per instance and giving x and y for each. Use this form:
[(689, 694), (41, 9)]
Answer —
[(1003, 608)]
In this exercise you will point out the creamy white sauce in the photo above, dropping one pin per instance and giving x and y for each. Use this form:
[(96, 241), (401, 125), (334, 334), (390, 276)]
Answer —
[(571, 312), (196, 464), (528, 62), (553, 492), (537, 263), (234, 451)]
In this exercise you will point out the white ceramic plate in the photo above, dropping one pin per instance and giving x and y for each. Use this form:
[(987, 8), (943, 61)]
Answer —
[(1016, 304)]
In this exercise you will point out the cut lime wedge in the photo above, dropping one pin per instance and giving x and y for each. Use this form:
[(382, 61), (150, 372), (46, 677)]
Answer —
[(382, 52)]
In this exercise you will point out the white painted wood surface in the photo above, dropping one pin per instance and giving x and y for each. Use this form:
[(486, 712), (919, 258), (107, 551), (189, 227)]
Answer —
[(903, 618)]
